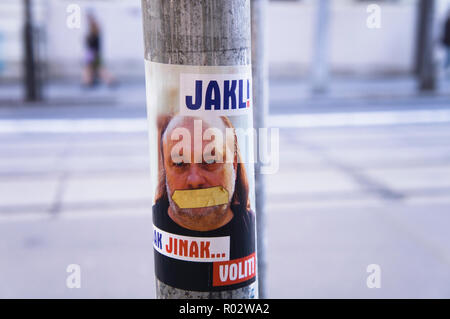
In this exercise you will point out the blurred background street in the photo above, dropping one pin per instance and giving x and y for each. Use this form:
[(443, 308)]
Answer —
[(364, 175)]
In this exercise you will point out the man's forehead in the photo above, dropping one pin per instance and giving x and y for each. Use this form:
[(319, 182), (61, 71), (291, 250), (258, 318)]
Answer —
[(225, 141), (189, 123)]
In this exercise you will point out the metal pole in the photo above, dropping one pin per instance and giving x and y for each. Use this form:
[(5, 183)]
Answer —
[(426, 66), (261, 109), (320, 60), (198, 33), (418, 58), (30, 72)]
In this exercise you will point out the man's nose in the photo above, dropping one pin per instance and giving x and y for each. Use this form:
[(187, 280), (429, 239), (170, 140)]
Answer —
[(195, 178)]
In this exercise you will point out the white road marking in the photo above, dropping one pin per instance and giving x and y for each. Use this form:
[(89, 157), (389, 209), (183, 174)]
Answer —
[(139, 125), (360, 119), (73, 126)]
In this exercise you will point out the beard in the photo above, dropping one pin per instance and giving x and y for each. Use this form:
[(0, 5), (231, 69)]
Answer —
[(213, 214)]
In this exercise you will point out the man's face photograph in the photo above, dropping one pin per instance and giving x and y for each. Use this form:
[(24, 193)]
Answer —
[(209, 176)]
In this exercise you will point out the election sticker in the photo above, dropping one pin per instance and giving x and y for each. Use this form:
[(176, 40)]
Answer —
[(201, 148)]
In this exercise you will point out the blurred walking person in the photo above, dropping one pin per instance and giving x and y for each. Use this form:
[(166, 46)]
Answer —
[(94, 70), (446, 42), (1, 52)]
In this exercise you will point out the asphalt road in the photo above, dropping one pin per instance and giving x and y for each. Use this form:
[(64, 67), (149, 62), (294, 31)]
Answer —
[(345, 196)]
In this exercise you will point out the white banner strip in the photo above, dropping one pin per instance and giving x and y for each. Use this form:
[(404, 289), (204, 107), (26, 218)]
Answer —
[(199, 249)]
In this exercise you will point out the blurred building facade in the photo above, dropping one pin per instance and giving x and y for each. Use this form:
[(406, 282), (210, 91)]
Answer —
[(354, 48)]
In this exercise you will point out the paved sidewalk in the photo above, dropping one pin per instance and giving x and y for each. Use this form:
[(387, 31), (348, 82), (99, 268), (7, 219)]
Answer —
[(287, 96), (64, 96), (345, 196)]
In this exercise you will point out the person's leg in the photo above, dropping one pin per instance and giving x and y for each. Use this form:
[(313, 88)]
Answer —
[(88, 75), (447, 62), (106, 76)]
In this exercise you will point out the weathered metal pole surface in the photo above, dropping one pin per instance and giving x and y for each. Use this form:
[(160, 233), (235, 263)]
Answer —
[(198, 33), (261, 109)]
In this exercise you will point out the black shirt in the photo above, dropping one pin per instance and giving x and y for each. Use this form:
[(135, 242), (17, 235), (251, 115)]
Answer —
[(198, 276), (93, 43), (446, 39), (241, 228)]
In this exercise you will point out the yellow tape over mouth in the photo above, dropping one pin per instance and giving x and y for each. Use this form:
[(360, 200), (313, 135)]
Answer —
[(198, 198)]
